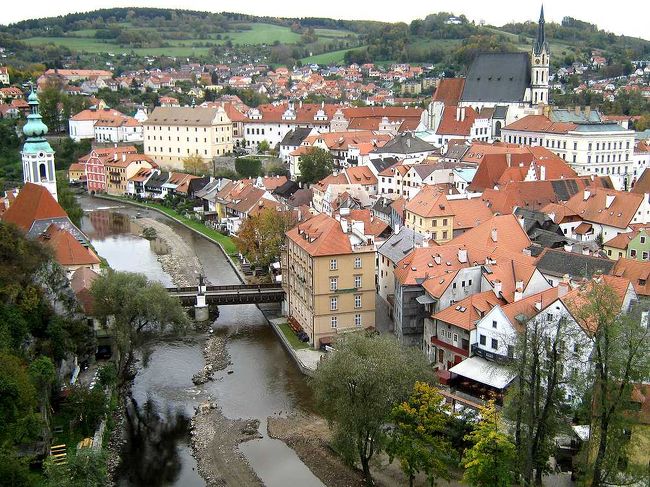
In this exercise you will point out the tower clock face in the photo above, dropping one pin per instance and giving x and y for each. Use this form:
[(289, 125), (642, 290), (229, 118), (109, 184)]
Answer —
[(537, 61), (41, 154)]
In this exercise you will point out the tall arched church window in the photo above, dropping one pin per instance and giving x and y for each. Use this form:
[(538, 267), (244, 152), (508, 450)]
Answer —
[(42, 170)]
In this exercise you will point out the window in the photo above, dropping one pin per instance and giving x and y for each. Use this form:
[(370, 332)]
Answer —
[(632, 253), (644, 255), (511, 351), (357, 281), (642, 238), (495, 344), (357, 320), (482, 339), (357, 301), (334, 303), (549, 316), (494, 323), (357, 262), (455, 337), (333, 264), (334, 282), (334, 321)]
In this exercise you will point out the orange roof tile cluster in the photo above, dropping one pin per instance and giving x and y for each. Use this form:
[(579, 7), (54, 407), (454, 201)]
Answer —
[(429, 202), (341, 141), (95, 115), (108, 152), (321, 235), (540, 123), (81, 282), (622, 240), (518, 312), (34, 202), (592, 206), (127, 159), (371, 225), (498, 167), (465, 313), (268, 182), (469, 213), (67, 249), (636, 271), (361, 175), (449, 91), (502, 231), (455, 123)]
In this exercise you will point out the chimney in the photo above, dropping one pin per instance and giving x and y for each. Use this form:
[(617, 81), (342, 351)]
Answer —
[(123, 156), (586, 195), (609, 199), (458, 114), (497, 288), (437, 259), (519, 285), (577, 110), (509, 158), (542, 173), (462, 255), (115, 156), (568, 248), (494, 235), (518, 295), (462, 113), (587, 111)]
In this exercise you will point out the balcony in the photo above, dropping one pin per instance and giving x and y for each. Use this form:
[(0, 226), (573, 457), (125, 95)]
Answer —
[(495, 357), (448, 346)]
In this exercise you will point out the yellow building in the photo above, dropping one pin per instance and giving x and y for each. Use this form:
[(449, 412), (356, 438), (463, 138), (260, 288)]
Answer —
[(329, 277), (430, 214), (121, 168), (173, 133)]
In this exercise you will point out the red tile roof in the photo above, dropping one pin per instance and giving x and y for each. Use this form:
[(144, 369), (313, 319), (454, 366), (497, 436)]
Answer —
[(509, 235), (321, 235), (450, 124), (637, 272), (449, 90), (67, 249), (34, 202), (465, 313)]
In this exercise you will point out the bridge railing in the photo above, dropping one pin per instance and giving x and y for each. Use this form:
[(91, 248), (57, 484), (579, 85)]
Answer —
[(228, 287)]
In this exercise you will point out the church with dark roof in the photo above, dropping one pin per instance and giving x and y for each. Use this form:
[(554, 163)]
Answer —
[(501, 86)]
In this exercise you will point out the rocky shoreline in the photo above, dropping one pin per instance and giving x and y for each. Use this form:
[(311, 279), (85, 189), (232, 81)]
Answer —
[(215, 438), (181, 263)]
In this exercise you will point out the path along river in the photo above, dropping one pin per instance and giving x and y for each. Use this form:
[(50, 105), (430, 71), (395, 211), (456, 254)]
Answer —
[(264, 381)]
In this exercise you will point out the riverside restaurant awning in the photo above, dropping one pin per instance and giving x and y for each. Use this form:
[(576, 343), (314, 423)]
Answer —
[(484, 372)]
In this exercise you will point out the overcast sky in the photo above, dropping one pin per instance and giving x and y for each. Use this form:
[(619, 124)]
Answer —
[(630, 18)]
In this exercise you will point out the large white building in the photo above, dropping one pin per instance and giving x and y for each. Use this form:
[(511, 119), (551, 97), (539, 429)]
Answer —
[(173, 133), (587, 144)]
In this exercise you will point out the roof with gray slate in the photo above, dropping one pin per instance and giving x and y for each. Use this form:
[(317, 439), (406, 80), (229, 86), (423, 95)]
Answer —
[(405, 143), (294, 137), (566, 115), (157, 180), (558, 262), (400, 244), (381, 164), (497, 77), (40, 226)]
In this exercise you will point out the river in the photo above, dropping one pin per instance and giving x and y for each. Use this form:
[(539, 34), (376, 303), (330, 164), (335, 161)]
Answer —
[(263, 381)]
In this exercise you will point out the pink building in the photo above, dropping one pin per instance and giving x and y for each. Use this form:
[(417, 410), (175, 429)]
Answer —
[(95, 174)]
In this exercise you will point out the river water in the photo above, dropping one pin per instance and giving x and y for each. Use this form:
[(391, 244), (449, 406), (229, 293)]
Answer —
[(264, 380)]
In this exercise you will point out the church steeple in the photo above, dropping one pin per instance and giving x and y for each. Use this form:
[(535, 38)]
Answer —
[(37, 153), (540, 42), (540, 65)]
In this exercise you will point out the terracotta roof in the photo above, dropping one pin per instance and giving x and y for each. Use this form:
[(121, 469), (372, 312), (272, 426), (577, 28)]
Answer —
[(622, 240), (636, 271), (126, 159), (465, 313), (619, 214), (642, 185), (429, 202), (449, 91), (469, 213), (371, 225), (450, 124), (34, 202), (509, 235), (518, 312), (67, 249), (361, 175), (540, 123), (97, 114), (321, 235)]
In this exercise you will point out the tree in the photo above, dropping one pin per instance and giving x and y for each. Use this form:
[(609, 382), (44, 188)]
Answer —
[(86, 407), (491, 461), (194, 164), (249, 167), (261, 235), (263, 146), (316, 164), (17, 402), (357, 386), (536, 398), (620, 359), (135, 308), (417, 439)]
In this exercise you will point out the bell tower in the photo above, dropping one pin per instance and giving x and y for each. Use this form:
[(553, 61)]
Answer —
[(37, 154), (540, 65)]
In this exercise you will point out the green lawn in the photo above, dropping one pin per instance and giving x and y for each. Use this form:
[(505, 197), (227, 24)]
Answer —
[(292, 338), (262, 34), (333, 33)]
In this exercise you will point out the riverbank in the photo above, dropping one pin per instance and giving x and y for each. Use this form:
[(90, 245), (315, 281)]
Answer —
[(181, 263), (309, 436), (215, 438)]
